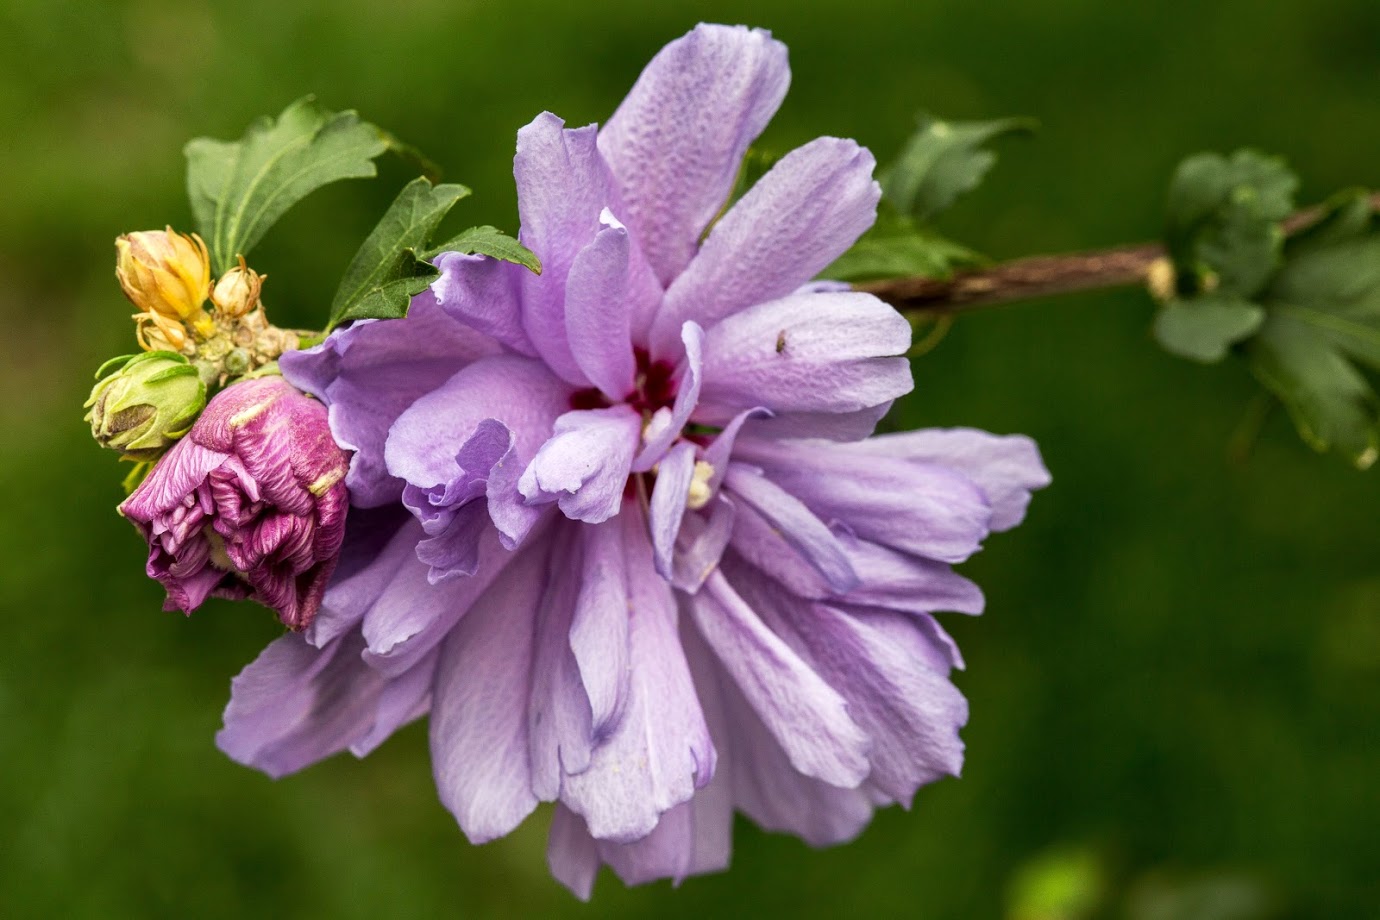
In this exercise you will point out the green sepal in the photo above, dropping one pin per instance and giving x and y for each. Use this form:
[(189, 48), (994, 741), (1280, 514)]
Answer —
[(112, 364), (135, 478), (143, 405), (239, 189)]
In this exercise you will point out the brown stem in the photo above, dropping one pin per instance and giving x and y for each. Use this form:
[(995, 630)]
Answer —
[(1040, 276)]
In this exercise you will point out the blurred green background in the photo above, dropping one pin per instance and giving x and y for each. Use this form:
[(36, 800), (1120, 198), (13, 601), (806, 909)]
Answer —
[(1174, 691)]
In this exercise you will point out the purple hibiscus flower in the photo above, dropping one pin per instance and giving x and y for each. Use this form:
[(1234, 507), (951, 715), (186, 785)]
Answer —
[(250, 504), (651, 568)]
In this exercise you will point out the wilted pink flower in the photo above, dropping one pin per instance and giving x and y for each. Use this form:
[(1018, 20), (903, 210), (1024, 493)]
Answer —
[(250, 504)]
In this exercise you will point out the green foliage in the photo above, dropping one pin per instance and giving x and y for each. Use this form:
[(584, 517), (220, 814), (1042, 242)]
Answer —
[(1223, 222), (1323, 318), (1305, 309), (393, 264), (1223, 233), (1204, 328), (899, 249), (941, 161), (492, 242), (239, 189)]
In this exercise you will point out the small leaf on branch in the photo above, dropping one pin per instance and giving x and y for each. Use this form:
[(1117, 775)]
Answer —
[(904, 251), (386, 271), (1204, 328), (943, 160), (491, 242), (1323, 318), (1223, 221), (394, 263), (239, 189)]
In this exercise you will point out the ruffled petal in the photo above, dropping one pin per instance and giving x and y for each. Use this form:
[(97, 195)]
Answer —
[(832, 353), (603, 295), (1007, 467), (810, 537), (919, 508), (895, 684), (518, 392), (676, 141), (764, 783), (484, 294), (660, 751), (599, 630), (801, 216), (479, 718), (296, 704), (563, 187), (571, 853), (172, 479), (411, 616), (585, 465), (703, 537), (402, 700), (559, 727), (806, 716), (667, 507), (378, 542), (369, 372), (687, 398)]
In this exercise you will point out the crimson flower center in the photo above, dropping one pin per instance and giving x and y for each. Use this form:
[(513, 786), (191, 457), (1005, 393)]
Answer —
[(653, 389)]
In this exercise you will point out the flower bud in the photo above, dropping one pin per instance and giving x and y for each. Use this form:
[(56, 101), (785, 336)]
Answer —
[(250, 504), (165, 274), (145, 404), (237, 291)]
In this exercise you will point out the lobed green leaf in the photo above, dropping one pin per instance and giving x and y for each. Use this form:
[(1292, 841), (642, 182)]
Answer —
[(1323, 320), (239, 189), (943, 160)]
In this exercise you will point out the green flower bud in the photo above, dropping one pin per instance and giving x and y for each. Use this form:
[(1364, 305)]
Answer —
[(144, 403)]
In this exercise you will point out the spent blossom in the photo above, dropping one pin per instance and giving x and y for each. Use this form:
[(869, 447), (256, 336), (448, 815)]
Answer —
[(631, 547), (250, 504)]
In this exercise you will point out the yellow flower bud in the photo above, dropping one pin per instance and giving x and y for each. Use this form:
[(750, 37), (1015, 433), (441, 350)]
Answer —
[(237, 291), (165, 274)]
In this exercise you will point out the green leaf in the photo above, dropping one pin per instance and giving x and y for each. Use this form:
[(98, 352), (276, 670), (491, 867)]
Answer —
[(239, 189), (900, 254), (394, 263), (941, 161), (1223, 221), (1204, 328), (488, 241), (1323, 320), (386, 271)]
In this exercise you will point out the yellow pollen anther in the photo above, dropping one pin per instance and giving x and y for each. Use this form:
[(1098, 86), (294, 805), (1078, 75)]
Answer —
[(700, 492)]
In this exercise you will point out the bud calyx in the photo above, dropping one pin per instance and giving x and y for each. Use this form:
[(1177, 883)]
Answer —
[(144, 403)]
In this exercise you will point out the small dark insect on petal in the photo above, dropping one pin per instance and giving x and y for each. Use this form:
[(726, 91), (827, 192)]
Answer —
[(781, 341)]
